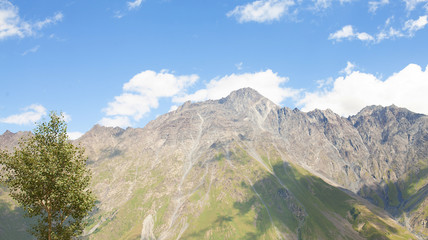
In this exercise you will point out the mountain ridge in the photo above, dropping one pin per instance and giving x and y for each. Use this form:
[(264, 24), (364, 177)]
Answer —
[(247, 140)]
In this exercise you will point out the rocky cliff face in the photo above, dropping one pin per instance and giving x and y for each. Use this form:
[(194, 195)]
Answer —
[(242, 167)]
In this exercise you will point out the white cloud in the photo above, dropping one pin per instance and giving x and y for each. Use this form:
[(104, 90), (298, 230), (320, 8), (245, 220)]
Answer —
[(347, 32), (67, 117), (134, 4), (411, 4), (388, 34), (364, 36), (267, 83), (163, 84), (389, 21), (350, 94), (323, 4), (117, 121), (173, 108), (348, 69), (74, 135), (141, 94), (31, 114), (324, 82), (374, 5), (11, 25), (409, 29), (118, 14), (134, 105), (261, 11), (31, 50), (319, 5), (51, 20), (131, 5), (239, 65), (414, 25)]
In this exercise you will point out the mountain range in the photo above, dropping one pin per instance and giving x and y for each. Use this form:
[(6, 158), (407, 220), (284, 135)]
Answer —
[(243, 167)]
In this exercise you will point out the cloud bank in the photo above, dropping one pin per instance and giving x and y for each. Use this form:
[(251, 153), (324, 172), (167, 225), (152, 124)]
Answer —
[(141, 94), (356, 90)]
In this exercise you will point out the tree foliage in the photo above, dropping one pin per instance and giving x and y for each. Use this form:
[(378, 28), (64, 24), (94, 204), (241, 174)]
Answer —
[(47, 176)]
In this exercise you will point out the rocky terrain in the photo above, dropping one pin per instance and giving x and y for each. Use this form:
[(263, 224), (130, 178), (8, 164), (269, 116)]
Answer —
[(244, 168), (9, 140)]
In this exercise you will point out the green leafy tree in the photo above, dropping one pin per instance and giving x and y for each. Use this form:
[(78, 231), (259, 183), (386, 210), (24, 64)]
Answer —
[(47, 176)]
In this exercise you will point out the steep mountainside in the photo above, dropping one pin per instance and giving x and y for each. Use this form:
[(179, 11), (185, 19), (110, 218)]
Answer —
[(243, 168), (12, 223)]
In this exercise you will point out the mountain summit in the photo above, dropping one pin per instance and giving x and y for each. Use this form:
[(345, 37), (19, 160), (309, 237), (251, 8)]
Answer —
[(243, 96), (244, 168)]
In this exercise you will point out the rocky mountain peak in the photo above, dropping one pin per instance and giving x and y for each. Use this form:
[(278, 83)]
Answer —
[(384, 115), (250, 103), (369, 110), (243, 95), (7, 133), (101, 133), (380, 110), (98, 129), (8, 139)]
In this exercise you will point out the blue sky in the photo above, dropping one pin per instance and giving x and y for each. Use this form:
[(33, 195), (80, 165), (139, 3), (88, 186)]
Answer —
[(123, 63)]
